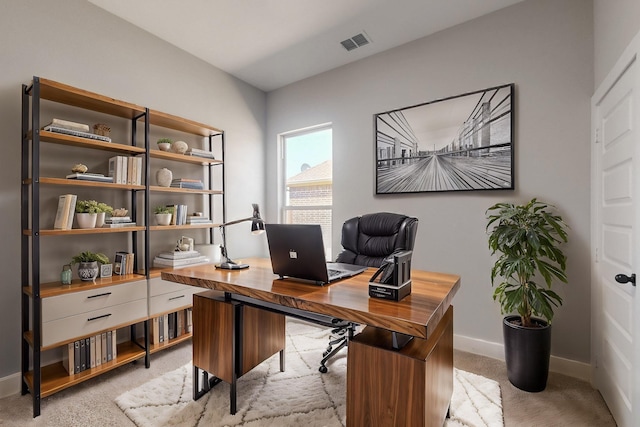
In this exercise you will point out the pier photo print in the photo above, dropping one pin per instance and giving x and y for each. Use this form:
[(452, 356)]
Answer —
[(461, 143)]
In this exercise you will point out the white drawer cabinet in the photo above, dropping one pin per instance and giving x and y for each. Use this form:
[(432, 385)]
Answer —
[(85, 301), (165, 296), (84, 324)]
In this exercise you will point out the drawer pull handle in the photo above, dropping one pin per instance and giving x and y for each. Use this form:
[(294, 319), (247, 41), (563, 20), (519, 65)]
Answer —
[(98, 317), (99, 295), (181, 296)]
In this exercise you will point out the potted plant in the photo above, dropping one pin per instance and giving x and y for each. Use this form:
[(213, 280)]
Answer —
[(86, 213), (103, 210), (163, 215), (164, 144), (527, 239), (88, 264)]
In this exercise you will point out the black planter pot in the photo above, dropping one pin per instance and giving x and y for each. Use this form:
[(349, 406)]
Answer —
[(527, 352)]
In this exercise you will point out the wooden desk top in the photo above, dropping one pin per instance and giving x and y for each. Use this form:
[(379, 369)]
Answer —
[(348, 299)]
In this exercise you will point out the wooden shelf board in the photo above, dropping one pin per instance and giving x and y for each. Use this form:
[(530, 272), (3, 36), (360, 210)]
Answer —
[(170, 121), (65, 94), (81, 183), (55, 378), (75, 231), (167, 155), (153, 348), (75, 141), (182, 190), (52, 289), (181, 227)]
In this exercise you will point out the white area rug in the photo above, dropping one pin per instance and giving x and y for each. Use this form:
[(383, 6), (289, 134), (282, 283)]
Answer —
[(300, 396)]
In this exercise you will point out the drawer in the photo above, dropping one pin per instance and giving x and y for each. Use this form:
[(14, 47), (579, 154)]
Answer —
[(157, 286), (84, 324), (67, 305), (172, 301)]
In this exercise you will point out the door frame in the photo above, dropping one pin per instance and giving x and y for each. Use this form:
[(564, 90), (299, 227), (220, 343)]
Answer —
[(630, 55)]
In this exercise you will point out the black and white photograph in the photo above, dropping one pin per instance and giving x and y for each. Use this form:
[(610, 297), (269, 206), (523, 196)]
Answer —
[(460, 143)]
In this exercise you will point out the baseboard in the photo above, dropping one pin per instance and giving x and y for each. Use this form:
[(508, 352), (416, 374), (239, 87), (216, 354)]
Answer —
[(494, 350), (10, 385)]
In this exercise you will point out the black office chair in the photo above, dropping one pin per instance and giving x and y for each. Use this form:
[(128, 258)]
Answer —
[(368, 240)]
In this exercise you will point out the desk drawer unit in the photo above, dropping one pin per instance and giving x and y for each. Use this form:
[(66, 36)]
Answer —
[(68, 316), (172, 301), (157, 286)]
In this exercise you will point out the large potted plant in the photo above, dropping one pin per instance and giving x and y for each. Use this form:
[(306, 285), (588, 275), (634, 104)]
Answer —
[(527, 239)]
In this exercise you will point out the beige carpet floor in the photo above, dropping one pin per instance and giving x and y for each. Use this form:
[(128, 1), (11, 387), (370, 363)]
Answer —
[(565, 402)]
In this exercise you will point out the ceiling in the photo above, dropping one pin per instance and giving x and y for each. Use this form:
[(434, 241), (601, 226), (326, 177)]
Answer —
[(272, 43)]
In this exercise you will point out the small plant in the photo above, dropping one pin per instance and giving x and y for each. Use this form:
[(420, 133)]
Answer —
[(527, 239), (165, 141), (103, 207), (87, 206), (162, 210), (88, 256)]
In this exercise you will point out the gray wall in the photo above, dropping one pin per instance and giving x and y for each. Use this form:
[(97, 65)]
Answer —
[(79, 44), (545, 47), (615, 24)]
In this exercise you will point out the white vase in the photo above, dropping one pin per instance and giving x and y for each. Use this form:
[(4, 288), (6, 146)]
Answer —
[(163, 219), (164, 146), (164, 177), (100, 219), (86, 220)]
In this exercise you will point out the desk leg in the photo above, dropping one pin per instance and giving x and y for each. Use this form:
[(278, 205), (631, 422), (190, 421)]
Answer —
[(407, 387)]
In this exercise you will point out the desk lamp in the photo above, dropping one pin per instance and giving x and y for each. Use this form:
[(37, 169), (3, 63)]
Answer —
[(257, 227)]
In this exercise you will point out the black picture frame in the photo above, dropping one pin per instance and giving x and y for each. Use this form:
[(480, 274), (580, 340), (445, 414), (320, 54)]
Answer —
[(459, 143)]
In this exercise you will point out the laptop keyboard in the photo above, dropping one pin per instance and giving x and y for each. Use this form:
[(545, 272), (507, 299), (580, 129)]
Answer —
[(332, 272)]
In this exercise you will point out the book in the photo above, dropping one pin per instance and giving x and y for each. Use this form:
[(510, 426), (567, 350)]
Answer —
[(83, 356), (161, 329), (189, 327), (130, 172), (130, 262), (79, 134), (119, 224), (92, 357), (90, 177), (67, 358), (119, 263), (87, 353), (179, 254), (109, 346), (98, 354), (116, 219), (172, 325), (189, 185), (199, 153), (76, 356), (165, 319), (155, 332), (186, 180), (114, 344), (66, 124), (103, 338), (163, 262), (64, 212), (198, 220)]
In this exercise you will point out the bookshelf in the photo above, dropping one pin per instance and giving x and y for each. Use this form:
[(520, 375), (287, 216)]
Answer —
[(53, 314)]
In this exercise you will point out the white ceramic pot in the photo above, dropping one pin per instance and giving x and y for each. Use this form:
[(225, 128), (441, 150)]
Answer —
[(164, 146), (164, 177), (179, 147), (100, 219), (86, 220), (163, 219)]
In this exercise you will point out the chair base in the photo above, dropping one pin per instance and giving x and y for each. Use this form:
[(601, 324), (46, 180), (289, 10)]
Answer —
[(347, 332)]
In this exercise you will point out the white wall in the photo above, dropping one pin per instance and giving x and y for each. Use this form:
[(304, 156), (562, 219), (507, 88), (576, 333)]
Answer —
[(615, 24), (545, 47), (76, 43)]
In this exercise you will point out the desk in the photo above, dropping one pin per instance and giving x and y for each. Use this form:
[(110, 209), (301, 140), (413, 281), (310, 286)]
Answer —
[(412, 386)]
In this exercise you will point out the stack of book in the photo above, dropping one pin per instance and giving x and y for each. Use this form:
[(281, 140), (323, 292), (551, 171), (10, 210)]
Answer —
[(178, 259), (118, 222), (89, 352), (126, 170), (199, 153), (99, 177), (178, 214), (196, 220), (74, 129), (194, 184), (64, 214), (123, 263), (171, 325)]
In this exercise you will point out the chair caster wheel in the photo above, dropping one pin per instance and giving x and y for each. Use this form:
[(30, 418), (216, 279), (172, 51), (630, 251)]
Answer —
[(323, 369)]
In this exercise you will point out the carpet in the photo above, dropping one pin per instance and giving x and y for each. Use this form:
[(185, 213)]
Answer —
[(300, 396)]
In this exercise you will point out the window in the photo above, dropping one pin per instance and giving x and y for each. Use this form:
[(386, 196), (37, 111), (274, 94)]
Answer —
[(308, 179)]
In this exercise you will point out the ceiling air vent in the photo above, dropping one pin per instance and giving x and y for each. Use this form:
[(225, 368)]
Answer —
[(356, 41)]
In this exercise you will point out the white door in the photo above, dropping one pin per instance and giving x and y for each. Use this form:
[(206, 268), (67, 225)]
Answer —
[(616, 238)]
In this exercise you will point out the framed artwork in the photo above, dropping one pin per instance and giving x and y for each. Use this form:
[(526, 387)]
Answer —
[(106, 270), (461, 143)]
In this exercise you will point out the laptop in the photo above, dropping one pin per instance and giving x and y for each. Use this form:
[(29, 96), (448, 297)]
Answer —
[(297, 251)]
